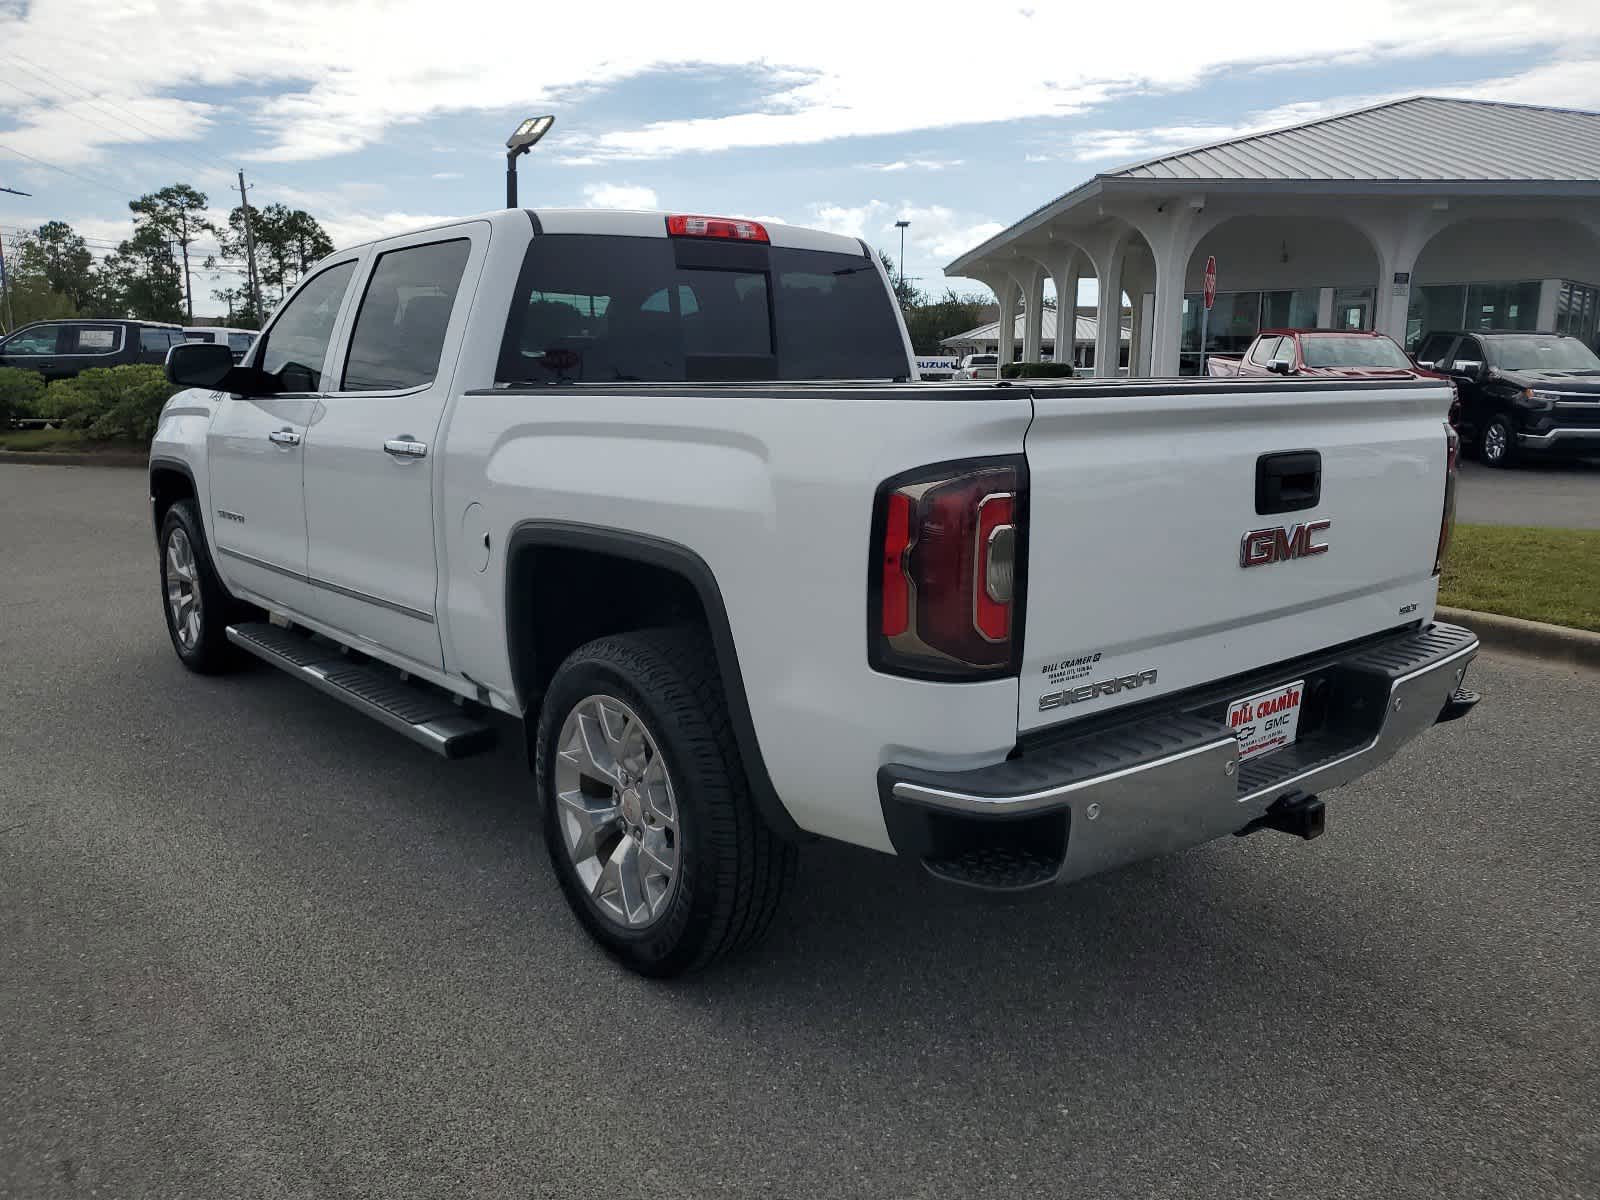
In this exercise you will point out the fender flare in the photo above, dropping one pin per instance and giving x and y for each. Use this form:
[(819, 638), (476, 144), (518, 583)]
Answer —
[(163, 462), (679, 559)]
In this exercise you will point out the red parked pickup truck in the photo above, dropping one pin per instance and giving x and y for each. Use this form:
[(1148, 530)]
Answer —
[(1333, 352)]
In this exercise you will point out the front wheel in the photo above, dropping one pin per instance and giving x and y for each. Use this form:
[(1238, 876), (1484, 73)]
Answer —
[(197, 606), (647, 816), (1498, 443)]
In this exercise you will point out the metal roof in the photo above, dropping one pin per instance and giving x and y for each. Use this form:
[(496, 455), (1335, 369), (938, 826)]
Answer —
[(1087, 330), (1420, 138)]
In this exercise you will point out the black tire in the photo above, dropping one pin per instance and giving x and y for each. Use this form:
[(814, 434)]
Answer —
[(1497, 443), (731, 869), (209, 652)]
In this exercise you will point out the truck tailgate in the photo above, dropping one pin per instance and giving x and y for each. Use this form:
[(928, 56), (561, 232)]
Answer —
[(1141, 496)]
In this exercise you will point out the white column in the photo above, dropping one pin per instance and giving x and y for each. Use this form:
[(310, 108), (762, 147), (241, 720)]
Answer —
[(1008, 320), (1140, 328), (1173, 236), (1147, 316), (1032, 284), (1108, 332), (1065, 273), (1324, 308), (1549, 301)]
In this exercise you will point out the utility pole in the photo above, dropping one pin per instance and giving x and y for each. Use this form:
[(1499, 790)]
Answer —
[(901, 226), (250, 252), (5, 284)]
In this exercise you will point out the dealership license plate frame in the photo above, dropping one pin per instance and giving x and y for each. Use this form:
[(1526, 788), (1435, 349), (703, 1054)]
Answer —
[(1275, 731)]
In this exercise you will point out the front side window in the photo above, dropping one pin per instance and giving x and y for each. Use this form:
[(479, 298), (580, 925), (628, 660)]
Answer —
[(604, 309), (33, 342), (1434, 347), (297, 343), (1467, 350), (155, 340), (399, 331), (1265, 349)]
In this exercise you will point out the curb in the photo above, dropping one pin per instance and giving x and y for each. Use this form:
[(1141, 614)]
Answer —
[(47, 458), (1556, 643)]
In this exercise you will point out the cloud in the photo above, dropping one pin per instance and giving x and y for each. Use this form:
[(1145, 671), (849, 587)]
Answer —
[(447, 175), (309, 97), (919, 164), (619, 195), (936, 233)]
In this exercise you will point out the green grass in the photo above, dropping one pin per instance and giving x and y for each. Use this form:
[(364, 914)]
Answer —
[(1537, 574)]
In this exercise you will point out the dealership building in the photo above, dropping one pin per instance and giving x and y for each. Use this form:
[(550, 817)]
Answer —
[(1419, 214)]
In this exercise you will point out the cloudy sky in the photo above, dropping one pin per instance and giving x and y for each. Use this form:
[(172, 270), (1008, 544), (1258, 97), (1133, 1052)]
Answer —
[(962, 117)]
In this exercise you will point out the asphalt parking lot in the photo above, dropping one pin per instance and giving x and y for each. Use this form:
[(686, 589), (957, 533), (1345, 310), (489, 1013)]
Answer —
[(254, 945), (1561, 495)]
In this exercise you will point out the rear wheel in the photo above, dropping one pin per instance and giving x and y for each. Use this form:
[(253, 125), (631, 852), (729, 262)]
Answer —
[(647, 816), (1498, 442), (197, 606)]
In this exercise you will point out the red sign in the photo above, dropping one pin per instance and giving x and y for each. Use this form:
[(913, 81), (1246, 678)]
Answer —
[(1211, 281)]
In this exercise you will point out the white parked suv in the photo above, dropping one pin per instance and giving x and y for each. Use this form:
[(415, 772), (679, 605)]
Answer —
[(665, 490), (978, 366)]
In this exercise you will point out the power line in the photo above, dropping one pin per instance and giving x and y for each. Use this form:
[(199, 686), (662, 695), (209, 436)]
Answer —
[(72, 174), (110, 108)]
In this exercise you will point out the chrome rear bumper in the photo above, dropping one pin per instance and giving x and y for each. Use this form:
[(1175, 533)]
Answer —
[(1173, 779)]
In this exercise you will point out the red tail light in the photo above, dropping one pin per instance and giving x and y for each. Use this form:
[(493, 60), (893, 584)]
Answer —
[(949, 547), (717, 227), (1447, 521)]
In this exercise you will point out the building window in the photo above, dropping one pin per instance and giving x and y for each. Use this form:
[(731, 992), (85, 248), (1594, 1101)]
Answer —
[(1353, 308), (1578, 310), (1439, 307), (1503, 305), (1289, 310)]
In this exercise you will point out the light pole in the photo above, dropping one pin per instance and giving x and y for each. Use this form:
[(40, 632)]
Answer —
[(518, 144), (901, 226), (5, 288)]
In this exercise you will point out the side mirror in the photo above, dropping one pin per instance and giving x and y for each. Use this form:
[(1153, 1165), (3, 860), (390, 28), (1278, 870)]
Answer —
[(1468, 369), (199, 365), (1280, 366), (1425, 363)]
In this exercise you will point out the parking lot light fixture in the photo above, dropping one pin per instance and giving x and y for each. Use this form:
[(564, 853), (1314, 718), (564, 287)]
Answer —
[(519, 143)]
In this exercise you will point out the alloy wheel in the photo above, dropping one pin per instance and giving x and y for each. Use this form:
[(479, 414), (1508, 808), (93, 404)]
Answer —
[(1494, 442), (183, 590), (616, 810)]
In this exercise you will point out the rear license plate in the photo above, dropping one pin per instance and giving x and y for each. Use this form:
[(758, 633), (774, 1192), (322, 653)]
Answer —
[(1267, 721)]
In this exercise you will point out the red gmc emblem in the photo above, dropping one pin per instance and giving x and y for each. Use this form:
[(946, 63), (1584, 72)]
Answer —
[(1262, 546)]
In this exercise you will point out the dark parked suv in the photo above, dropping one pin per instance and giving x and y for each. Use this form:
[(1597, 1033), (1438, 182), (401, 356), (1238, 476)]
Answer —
[(57, 349), (1521, 393)]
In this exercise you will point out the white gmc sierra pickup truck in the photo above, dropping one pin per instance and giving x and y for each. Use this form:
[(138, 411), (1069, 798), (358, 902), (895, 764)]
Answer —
[(667, 490)]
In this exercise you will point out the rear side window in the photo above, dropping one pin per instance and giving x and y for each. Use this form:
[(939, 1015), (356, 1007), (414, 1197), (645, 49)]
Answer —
[(92, 339), (297, 343), (601, 309), (399, 331), (240, 342), (154, 340)]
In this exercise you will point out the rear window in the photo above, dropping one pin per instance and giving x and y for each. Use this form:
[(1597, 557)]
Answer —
[(984, 360), (1353, 352), (601, 309)]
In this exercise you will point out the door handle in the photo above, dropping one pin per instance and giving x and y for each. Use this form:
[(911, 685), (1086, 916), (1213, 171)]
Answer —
[(405, 447), (284, 437)]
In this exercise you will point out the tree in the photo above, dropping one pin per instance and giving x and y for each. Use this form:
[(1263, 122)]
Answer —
[(904, 292), (176, 212), (59, 258), (930, 321), (242, 312), (141, 280), (288, 240)]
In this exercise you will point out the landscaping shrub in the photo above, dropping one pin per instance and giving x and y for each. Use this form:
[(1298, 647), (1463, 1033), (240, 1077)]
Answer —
[(1039, 370), (110, 403), (20, 394)]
